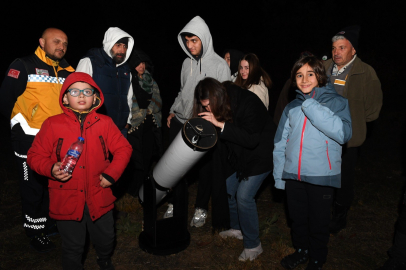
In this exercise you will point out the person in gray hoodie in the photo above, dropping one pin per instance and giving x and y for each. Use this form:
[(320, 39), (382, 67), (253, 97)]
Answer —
[(201, 62)]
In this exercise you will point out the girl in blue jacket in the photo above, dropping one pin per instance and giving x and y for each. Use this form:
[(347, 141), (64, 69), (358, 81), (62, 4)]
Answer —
[(307, 159)]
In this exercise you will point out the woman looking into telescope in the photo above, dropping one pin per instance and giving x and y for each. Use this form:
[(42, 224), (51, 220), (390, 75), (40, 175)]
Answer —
[(245, 154)]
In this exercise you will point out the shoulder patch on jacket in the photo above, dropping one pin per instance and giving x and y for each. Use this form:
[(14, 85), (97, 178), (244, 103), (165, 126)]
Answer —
[(13, 73)]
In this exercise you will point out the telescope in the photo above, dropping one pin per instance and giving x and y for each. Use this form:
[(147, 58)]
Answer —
[(170, 235)]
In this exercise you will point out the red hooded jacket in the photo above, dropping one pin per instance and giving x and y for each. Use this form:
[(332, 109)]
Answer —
[(67, 199)]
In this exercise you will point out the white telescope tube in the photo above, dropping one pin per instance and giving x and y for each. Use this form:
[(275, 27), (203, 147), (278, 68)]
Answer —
[(191, 143)]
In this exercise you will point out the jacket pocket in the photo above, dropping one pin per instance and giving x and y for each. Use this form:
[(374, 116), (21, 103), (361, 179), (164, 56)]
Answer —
[(63, 197), (104, 197), (328, 157)]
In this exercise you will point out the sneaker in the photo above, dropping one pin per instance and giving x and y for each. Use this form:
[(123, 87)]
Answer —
[(291, 261), (314, 265), (41, 243), (199, 218), (169, 211), (232, 233), (250, 253)]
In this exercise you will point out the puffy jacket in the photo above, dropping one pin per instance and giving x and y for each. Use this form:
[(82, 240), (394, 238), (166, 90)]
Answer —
[(114, 79), (309, 138), (67, 199)]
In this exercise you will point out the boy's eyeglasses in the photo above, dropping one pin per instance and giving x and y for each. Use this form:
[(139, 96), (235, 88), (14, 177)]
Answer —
[(76, 92)]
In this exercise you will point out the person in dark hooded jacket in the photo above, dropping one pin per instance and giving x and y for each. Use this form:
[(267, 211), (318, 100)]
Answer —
[(233, 58), (81, 201), (145, 134), (109, 69)]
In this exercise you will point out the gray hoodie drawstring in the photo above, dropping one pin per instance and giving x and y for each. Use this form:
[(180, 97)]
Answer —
[(191, 66)]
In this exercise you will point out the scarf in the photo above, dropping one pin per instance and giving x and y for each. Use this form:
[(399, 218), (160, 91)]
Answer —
[(146, 82), (154, 107)]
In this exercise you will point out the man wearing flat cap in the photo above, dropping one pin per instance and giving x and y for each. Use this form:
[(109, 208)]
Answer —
[(109, 69), (358, 82)]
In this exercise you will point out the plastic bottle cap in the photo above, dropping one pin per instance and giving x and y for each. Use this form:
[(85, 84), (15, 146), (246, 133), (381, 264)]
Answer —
[(82, 139)]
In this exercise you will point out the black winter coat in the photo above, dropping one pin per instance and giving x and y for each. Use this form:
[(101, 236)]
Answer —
[(245, 147)]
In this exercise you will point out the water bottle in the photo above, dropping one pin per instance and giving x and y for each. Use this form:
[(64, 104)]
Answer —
[(72, 156)]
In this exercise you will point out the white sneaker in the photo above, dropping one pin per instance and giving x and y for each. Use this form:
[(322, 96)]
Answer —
[(169, 211), (199, 218), (250, 253), (232, 233)]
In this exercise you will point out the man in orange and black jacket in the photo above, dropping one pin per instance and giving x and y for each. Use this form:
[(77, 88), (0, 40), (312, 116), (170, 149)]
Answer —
[(30, 94)]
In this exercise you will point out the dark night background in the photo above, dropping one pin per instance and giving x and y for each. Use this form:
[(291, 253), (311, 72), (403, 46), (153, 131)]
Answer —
[(277, 31)]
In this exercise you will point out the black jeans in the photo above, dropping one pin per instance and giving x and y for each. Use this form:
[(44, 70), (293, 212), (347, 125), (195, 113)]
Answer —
[(345, 194), (33, 187), (309, 209), (398, 249), (144, 146), (73, 235)]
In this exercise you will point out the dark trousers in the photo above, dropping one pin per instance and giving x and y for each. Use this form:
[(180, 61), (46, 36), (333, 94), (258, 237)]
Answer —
[(401, 225), (345, 194), (33, 187), (205, 185), (398, 250), (202, 170), (309, 209), (73, 235), (144, 146)]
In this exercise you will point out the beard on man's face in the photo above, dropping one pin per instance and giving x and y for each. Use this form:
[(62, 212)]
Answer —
[(116, 57), (54, 56)]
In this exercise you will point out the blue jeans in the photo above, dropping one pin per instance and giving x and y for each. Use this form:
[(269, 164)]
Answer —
[(243, 210)]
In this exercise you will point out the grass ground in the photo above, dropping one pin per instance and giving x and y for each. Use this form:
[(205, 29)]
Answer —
[(362, 245)]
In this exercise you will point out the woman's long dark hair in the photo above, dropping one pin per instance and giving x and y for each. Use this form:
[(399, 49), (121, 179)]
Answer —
[(256, 72), (219, 101)]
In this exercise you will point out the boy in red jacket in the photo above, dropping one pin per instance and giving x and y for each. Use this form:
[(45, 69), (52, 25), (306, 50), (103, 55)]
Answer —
[(84, 199)]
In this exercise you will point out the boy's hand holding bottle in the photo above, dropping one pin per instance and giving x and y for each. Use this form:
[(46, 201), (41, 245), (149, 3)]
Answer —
[(60, 175)]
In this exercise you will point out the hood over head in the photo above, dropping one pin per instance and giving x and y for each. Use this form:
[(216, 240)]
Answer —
[(199, 28), (138, 56), (235, 57), (112, 35), (81, 77)]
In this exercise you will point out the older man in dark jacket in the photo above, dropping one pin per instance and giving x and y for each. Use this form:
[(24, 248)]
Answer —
[(358, 82)]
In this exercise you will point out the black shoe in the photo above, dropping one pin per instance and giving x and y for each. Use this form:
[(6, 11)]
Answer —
[(393, 264), (314, 265), (291, 261), (105, 264), (339, 220), (41, 243)]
